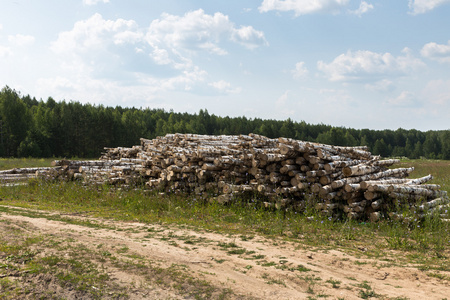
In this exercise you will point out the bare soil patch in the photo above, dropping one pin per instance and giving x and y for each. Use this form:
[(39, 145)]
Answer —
[(159, 261)]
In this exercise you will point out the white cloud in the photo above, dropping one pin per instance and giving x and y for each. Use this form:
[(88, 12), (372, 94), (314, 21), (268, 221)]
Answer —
[(303, 7), (383, 85), (284, 107), (437, 92), (102, 53), (437, 52), (248, 37), (367, 65), (5, 51), (300, 70), (423, 6), (197, 31), (160, 57), (364, 7), (281, 101), (225, 87), (21, 40), (96, 33), (94, 2), (405, 99)]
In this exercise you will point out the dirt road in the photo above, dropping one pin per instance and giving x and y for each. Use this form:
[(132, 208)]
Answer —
[(78, 257)]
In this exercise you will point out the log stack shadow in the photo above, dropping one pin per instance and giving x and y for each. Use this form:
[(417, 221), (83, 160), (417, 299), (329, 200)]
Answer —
[(282, 173)]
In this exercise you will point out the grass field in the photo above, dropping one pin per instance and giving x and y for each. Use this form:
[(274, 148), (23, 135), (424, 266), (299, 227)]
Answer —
[(424, 243), (145, 206), (11, 163), (440, 169)]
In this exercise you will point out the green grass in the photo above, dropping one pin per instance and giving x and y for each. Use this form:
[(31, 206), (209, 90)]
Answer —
[(440, 169), (11, 163), (425, 243)]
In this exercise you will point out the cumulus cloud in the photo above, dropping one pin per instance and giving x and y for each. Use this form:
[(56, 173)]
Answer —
[(96, 33), (437, 52), (107, 51), (197, 31), (158, 58), (367, 65), (21, 40), (94, 2), (303, 7), (364, 7), (423, 6), (248, 37), (300, 70)]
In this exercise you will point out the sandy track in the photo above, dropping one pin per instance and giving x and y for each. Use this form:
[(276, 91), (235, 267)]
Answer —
[(251, 267)]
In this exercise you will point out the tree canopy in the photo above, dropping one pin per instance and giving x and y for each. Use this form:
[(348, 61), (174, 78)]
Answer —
[(32, 128)]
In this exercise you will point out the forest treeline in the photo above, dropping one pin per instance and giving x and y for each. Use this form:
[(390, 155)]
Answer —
[(37, 128)]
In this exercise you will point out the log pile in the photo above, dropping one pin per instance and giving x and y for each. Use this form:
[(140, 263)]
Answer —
[(282, 172), (19, 176)]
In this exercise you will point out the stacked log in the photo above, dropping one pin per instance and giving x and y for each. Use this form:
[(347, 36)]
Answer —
[(19, 176), (281, 172)]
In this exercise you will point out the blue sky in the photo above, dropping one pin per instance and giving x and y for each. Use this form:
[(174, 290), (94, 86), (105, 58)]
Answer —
[(362, 64)]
